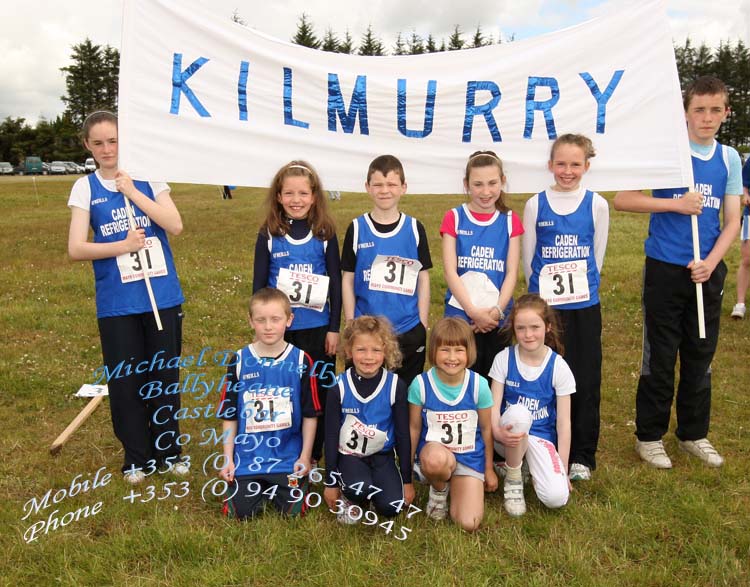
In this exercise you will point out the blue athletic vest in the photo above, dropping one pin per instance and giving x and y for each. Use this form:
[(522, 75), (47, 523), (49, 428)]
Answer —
[(576, 227), (669, 233), (466, 400), (268, 451), (376, 410), (538, 396), (109, 221), (401, 310), (471, 234), (307, 255)]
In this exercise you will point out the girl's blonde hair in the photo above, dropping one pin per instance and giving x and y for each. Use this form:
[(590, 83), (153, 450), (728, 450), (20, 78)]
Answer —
[(532, 301), (378, 327), (276, 223), (453, 332), (581, 141), (487, 159)]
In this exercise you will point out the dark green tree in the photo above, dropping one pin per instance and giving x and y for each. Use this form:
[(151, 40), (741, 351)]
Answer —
[(479, 40), (431, 47), (330, 41), (305, 34), (399, 48), (370, 44), (455, 42), (347, 45), (110, 76), (415, 45), (90, 80)]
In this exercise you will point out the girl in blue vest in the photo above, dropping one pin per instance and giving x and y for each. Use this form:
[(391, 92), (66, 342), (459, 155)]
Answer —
[(564, 242), (298, 253), (449, 417), (367, 426), (531, 389), (481, 254), (127, 326)]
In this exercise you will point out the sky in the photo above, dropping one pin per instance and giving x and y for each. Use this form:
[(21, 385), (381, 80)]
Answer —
[(36, 36)]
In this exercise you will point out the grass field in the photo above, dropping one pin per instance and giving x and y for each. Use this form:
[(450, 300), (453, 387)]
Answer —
[(631, 525)]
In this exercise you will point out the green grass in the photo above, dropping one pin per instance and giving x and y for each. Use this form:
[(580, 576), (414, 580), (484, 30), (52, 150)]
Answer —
[(631, 525)]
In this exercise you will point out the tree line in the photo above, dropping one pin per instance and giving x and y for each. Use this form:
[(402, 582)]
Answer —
[(90, 84), (92, 77)]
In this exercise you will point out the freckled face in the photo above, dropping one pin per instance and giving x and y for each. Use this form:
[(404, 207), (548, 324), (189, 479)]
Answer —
[(704, 116), (269, 320), (367, 354), (568, 165), (385, 190), (102, 143), (529, 329), (451, 360), (484, 186), (296, 197)]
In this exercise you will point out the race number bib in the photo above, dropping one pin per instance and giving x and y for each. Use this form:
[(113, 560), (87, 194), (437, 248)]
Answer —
[(131, 266), (304, 290), (456, 431), (564, 283), (359, 439), (394, 274), (264, 412)]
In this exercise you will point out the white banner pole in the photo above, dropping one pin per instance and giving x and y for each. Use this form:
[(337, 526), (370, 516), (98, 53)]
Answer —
[(131, 220), (698, 286)]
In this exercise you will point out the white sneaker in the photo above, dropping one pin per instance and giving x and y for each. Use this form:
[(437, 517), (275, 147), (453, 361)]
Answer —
[(134, 476), (348, 515), (500, 470), (437, 504), (704, 450), (514, 502), (653, 453), (181, 468), (738, 312), (579, 472)]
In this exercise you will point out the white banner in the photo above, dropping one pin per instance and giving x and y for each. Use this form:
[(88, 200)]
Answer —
[(205, 100)]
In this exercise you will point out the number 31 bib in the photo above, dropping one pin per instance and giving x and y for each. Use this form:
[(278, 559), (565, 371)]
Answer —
[(565, 282), (360, 440), (394, 274), (152, 255), (308, 290), (456, 431)]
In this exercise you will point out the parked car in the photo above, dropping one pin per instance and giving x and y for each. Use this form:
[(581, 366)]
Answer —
[(58, 168), (45, 168), (70, 166), (90, 165), (31, 166), (6, 168)]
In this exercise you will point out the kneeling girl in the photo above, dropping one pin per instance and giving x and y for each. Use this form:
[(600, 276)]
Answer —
[(531, 389), (449, 415)]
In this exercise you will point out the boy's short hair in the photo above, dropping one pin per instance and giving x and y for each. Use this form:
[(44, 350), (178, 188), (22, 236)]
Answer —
[(267, 295), (704, 86), (453, 332), (385, 164)]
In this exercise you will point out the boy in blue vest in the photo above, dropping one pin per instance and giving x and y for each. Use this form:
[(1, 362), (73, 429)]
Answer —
[(269, 406), (384, 260), (669, 293)]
